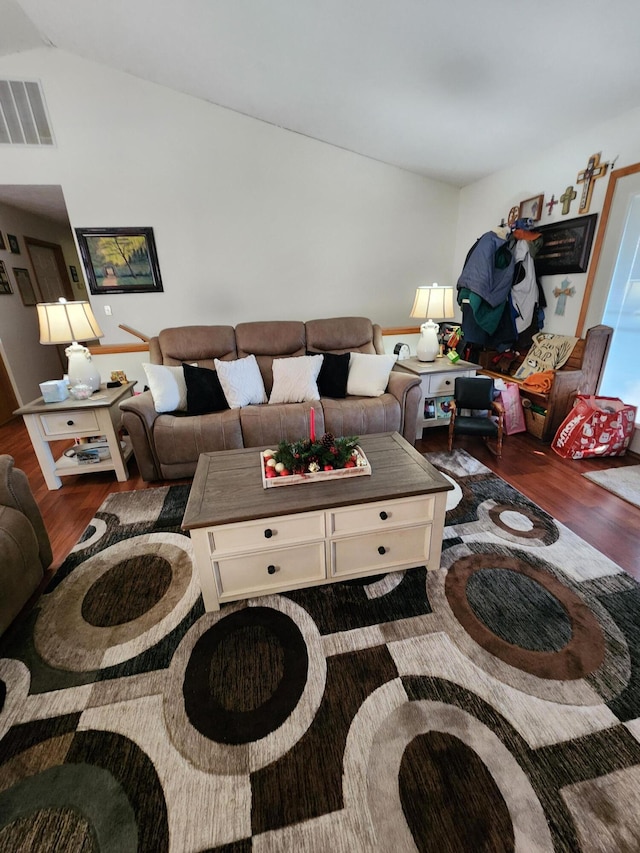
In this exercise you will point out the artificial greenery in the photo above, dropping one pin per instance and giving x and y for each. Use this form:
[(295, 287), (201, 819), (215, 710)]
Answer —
[(299, 455)]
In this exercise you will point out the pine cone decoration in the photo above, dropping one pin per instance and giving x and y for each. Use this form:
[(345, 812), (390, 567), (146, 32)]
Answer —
[(327, 440)]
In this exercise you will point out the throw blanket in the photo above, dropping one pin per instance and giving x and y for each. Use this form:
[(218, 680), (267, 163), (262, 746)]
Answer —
[(539, 382), (548, 352)]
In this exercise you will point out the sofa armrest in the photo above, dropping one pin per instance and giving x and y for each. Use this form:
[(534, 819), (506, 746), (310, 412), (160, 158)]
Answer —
[(138, 418), (407, 389)]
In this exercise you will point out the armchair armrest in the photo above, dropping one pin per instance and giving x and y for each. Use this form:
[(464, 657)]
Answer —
[(138, 418), (407, 389)]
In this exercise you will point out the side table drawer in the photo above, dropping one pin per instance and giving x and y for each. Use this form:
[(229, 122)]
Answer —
[(266, 533), (445, 383), (380, 550), (69, 423), (278, 568), (381, 515)]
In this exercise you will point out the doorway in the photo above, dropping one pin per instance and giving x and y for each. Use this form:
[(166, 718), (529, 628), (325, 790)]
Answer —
[(47, 260)]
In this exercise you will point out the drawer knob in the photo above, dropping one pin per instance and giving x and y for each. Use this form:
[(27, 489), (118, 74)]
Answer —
[(382, 550), (268, 533), (70, 423), (383, 515), (271, 569)]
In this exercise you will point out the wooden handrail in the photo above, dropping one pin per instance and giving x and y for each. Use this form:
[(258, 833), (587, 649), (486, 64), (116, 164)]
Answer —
[(135, 332)]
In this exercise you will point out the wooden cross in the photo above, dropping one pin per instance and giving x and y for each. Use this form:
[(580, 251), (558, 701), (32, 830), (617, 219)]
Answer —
[(551, 204), (561, 293), (595, 169), (566, 198)]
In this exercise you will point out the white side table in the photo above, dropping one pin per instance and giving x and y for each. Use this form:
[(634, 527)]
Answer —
[(99, 415), (437, 379)]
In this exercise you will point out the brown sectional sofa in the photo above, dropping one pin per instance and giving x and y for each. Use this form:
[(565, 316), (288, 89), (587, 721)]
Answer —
[(167, 446)]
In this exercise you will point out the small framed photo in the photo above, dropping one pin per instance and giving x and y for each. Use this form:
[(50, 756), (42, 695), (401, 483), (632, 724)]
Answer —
[(74, 274), (120, 260), (5, 284), (2, 243), (531, 208), (23, 281), (14, 246)]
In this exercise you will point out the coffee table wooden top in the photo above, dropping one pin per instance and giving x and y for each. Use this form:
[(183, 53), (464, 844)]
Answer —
[(227, 486)]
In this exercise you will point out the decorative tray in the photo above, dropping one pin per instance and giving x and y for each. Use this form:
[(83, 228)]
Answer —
[(362, 468)]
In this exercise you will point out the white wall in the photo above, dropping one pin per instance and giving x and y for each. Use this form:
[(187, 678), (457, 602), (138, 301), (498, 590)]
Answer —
[(485, 203), (250, 221), (28, 363)]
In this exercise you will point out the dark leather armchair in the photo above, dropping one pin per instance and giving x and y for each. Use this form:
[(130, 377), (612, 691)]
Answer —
[(475, 412), (25, 550)]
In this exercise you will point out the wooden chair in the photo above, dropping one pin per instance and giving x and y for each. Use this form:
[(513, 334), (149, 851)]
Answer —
[(475, 412)]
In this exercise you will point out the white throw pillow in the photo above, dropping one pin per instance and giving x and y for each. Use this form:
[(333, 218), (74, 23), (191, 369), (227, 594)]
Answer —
[(369, 374), (241, 381), (167, 386), (296, 379)]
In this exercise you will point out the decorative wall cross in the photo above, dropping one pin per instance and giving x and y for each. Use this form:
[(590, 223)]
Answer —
[(595, 169), (565, 289), (566, 198), (551, 204)]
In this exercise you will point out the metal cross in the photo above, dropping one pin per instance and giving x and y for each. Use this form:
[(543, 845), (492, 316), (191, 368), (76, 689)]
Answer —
[(566, 198), (551, 204), (595, 169)]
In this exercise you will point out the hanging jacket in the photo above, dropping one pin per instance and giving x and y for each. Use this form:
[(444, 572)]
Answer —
[(524, 293), (488, 269)]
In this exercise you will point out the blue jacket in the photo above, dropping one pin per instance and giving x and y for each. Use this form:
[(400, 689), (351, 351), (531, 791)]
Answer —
[(481, 275)]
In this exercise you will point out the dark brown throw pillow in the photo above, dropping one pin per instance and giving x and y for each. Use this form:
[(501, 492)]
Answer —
[(204, 392)]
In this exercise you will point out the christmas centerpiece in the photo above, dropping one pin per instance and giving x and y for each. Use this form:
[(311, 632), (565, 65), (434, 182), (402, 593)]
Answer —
[(311, 459)]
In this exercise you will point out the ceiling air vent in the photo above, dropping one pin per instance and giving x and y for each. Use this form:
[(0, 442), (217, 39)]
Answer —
[(23, 115)]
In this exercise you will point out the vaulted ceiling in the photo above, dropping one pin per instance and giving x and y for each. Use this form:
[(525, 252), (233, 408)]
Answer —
[(450, 89)]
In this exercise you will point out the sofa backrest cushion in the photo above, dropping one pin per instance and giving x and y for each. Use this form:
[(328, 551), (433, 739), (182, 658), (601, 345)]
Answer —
[(269, 339), (344, 334), (193, 344)]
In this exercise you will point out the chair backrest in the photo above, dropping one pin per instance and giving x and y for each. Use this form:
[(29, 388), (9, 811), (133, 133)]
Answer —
[(15, 492), (473, 392)]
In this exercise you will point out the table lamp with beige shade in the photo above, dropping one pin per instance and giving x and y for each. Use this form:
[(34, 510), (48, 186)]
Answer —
[(65, 322), (435, 303)]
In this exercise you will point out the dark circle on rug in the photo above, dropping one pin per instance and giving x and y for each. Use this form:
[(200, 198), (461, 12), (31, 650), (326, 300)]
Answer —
[(534, 619), (449, 797), (78, 801), (245, 675), (542, 528), (128, 590), (583, 653)]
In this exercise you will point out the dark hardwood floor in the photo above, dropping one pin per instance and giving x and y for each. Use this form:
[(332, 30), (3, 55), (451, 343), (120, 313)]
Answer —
[(605, 521)]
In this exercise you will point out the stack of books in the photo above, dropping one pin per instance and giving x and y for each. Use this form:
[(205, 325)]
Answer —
[(91, 449)]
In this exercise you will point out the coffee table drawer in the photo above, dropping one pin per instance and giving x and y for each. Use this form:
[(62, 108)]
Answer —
[(378, 551), (267, 533), (381, 515), (277, 568)]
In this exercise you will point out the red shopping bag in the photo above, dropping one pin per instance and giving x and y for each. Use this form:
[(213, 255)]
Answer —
[(513, 411), (596, 426)]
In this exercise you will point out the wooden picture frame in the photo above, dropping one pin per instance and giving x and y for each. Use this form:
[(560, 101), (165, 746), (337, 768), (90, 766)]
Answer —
[(119, 260), (24, 285), (531, 208), (5, 284), (566, 245)]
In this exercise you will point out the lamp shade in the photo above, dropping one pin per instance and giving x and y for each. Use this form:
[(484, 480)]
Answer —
[(434, 302), (64, 322)]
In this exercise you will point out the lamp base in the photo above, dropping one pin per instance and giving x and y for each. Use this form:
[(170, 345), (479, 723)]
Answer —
[(81, 368), (428, 345)]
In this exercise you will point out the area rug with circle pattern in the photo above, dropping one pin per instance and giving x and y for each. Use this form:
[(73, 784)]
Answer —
[(493, 704)]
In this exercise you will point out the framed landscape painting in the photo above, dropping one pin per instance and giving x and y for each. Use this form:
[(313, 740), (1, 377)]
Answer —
[(120, 260)]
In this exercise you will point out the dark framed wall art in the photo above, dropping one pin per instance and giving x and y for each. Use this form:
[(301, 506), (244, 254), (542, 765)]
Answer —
[(566, 245), (23, 282), (14, 246), (5, 284), (2, 243), (120, 260)]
